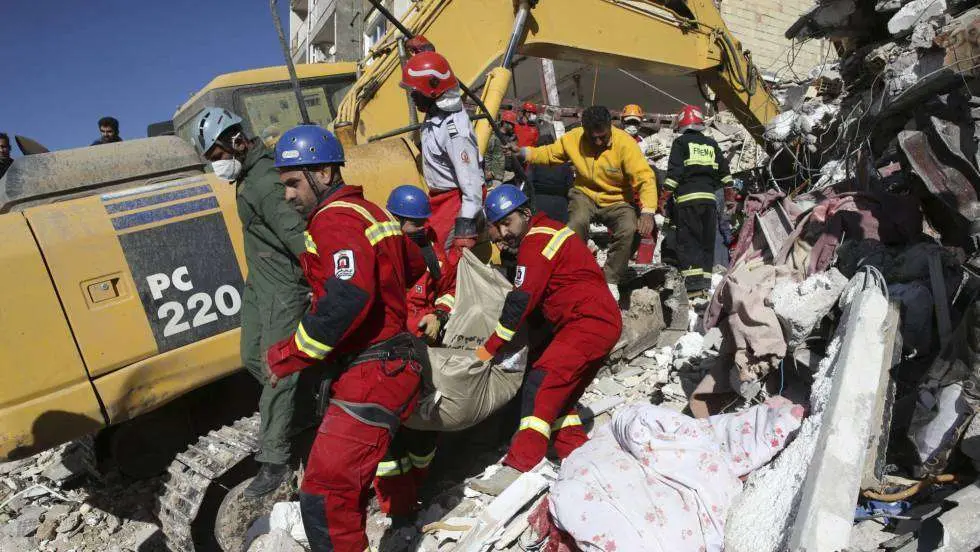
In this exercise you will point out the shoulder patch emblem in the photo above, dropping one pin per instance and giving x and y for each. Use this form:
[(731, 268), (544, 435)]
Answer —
[(465, 157), (519, 277), (343, 262), (453, 132)]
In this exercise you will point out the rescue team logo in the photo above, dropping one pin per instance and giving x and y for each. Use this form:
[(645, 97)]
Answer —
[(343, 263), (465, 157), (519, 278), (418, 289)]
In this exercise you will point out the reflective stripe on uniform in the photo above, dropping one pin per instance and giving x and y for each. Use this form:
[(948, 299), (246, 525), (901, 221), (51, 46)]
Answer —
[(691, 272), (391, 468), (381, 230), (556, 242), (537, 424), (310, 244), (422, 462), (503, 333), (311, 347), (566, 421), (446, 300), (695, 196), (727, 179), (542, 230), (377, 231), (670, 183)]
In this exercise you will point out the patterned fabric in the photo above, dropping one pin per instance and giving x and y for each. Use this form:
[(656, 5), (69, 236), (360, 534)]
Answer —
[(658, 480)]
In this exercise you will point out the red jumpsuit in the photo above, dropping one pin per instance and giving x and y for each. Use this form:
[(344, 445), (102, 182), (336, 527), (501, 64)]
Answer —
[(557, 272), (405, 466), (430, 294), (358, 264), (527, 135)]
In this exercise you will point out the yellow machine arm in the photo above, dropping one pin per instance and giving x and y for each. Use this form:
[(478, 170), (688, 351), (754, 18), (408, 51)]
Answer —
[(663, 37)]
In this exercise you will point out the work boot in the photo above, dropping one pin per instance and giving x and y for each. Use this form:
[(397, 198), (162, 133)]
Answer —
[(402, 536), (496, 483), (268, 479)]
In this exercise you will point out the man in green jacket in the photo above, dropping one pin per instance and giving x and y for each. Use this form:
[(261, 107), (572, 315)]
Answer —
[(276, 293)]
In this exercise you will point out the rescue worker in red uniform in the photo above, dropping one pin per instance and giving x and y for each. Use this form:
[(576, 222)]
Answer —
[(431, 299), (557, 274), (359, 265), (450, 157), (402, 472), (526, 127)]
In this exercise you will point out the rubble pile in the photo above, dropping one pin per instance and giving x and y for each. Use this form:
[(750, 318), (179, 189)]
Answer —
[(54, 502)]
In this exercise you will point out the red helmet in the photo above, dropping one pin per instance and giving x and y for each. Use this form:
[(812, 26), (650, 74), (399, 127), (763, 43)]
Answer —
[(418, 44), (528, 106), (690, 115), (508, 117), (429, 74)]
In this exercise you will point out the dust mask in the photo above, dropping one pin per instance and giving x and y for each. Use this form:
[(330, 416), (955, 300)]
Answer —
[(227, 169), (632, 130), (532, 118)]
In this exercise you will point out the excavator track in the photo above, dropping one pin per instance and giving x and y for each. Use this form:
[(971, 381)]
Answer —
[(195, 471)]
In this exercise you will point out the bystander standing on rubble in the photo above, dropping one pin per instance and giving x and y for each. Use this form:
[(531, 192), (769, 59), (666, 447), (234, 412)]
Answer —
[(557, 273), (108, 131), (696, 170), (495, 160), (612, 176), (526, 126), (5, 159), (276, 294), (632, 117)]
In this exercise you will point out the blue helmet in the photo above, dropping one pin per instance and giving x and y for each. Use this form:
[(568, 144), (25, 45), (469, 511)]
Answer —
[(502, 201), (408, 201), (306, 145)]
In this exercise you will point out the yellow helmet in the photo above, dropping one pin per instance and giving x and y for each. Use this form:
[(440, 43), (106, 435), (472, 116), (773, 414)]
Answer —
[(632, 111)]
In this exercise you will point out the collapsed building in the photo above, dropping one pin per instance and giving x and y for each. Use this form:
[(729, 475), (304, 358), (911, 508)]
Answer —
[(851, 292)]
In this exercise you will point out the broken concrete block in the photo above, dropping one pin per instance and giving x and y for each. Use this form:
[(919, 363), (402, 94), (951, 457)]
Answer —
[(957, 529), (70, 522), (608, 386), (276, 540), (16, 544), (26, 523), (492, 522), (830, 490), (800, 306), (913, 13)]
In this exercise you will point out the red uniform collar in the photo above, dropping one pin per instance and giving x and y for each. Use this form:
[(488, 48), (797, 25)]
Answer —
[(345, 192)]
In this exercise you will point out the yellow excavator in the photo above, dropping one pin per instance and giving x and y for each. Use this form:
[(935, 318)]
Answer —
[(123, 263)]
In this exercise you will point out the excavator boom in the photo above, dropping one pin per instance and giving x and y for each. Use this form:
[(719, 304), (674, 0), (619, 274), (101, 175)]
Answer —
[(662, 37)]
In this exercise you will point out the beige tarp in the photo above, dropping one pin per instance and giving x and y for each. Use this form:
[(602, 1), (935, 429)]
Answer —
[(459, 391)]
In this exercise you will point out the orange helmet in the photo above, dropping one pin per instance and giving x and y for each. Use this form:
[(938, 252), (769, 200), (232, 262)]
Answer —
[(528, 106), (689, 115), (429, 74), (508, 117), (632, 111)]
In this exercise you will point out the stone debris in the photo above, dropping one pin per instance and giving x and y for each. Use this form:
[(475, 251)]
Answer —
[(53, 502)]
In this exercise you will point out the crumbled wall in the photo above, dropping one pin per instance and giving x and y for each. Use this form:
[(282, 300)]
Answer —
[(761, 26)]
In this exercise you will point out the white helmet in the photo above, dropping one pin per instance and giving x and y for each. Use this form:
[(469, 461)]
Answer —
[(210, 124)]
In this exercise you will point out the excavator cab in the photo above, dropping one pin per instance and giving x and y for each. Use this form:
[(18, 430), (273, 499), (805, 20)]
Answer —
[(265, 100)]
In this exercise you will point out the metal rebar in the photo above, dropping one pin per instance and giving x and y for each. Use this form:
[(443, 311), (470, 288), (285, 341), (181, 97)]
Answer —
[(294, 81)]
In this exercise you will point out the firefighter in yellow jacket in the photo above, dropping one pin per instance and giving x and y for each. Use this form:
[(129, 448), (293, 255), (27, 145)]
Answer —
[(613, 181)]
